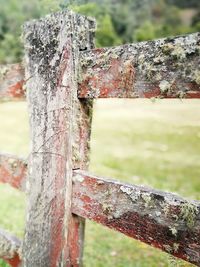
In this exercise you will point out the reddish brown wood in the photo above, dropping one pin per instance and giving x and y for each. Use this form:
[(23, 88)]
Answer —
[(52, 53), (158, 216), (11, 82), (163, 220), (82, 110), (166, 68), (10, 249), (13, 171)]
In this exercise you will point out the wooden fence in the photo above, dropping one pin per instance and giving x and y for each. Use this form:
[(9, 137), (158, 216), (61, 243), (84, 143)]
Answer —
[(63, 73)]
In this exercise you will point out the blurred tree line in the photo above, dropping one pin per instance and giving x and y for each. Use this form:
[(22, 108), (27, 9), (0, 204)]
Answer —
[(119, 21)]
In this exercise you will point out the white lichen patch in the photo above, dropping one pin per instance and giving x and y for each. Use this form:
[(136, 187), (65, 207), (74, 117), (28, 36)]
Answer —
[(176, 247), (168, 248), (3, 71), (133, 194), (165, 86), (188, 213), (173, 230), (78, 178), (147, 199), (197, 76), (107, 207), (172, 249), (166, 208), (178, 52), (8, 247), (167, 48), (126, 190)]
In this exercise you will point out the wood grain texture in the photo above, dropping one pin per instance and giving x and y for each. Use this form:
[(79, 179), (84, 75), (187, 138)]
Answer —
[(81, 129), (163, 220), (10, 249), (52, 46), (11, 82), (13, 171), (165, 68)]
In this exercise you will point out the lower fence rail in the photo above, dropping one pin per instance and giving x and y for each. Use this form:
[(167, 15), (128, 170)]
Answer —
[(10, 248), (13, 171), (162, 220)]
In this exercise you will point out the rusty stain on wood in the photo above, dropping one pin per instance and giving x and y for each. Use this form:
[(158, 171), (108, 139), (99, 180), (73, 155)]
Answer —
[(51, 46), (81, 129), (13, 171), (10, 249), (11, 82), (163, 220), (165, 68)]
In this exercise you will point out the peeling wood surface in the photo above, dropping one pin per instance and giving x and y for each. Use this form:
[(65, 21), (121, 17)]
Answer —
[(13, 171), (163, 220), (10, 248), (11, 82), (165, 68), (51, 63), (81, 129)]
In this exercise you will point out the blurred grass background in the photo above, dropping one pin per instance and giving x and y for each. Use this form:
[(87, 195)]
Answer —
[(137, 141)]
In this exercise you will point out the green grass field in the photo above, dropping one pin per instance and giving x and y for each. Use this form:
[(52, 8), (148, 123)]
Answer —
[(156, 144)]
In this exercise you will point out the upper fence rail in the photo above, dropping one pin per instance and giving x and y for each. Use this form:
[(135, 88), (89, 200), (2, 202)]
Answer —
[(11, 82), (164, 68)]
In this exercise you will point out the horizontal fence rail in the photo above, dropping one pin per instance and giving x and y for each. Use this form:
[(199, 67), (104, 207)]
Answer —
[(10, 248), (165, 68), (163, 220), (11, 82)]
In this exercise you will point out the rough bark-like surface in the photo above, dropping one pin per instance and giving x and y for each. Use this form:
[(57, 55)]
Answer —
[(13, 171), (52, 47), (163, 220), (11, 82), (80, 153), (160, 219), (81, 128), (165, 68), (10, 248)]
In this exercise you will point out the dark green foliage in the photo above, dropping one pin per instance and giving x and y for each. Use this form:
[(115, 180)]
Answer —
[(184, 3), (119, 21), (12, 15)]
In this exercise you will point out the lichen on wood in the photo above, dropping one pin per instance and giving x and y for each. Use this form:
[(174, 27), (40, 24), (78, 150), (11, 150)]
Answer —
[(165, 68), (11, 82), (13, 171), (10, 248), (59, 136), (163, 220)]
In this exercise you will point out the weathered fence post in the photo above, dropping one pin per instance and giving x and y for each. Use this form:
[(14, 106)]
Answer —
[(60, 128)]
